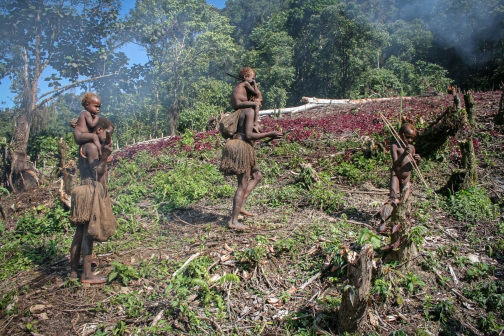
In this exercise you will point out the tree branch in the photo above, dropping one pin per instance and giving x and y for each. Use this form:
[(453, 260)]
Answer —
[(60, 90)]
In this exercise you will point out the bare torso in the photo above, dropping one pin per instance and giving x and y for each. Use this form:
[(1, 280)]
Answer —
[(402, 169), (82, 126)]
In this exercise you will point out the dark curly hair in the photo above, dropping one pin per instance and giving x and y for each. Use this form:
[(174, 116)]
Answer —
[(89, 96)]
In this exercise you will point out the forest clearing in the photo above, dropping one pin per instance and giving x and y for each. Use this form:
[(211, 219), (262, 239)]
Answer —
[(174, 267)]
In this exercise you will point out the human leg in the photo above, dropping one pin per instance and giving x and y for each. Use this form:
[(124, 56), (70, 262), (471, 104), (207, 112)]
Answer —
[(256, 177), (87, 258), (241, 190), (75, 251), (394, 186), (82, 138)]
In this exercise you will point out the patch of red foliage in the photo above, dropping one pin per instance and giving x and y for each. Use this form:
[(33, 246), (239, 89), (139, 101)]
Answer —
[(360, 118)]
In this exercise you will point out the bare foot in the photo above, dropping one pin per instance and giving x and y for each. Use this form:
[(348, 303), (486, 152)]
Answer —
[(93, 279), (246, 213), (238, 226)]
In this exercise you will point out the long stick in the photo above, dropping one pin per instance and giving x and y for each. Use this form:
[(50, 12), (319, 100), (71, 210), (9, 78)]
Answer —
[(403, 145), (235, 77)]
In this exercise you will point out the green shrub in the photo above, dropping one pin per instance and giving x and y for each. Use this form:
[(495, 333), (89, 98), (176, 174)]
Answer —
[(471, 205), (326, 199), (189, 182)]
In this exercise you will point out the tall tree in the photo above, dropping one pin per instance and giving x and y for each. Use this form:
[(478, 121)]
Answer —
[(184, 40), (69, 37), (271, 58), (245, 15)]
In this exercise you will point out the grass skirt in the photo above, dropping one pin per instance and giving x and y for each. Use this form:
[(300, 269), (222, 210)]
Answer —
[(238, 157)]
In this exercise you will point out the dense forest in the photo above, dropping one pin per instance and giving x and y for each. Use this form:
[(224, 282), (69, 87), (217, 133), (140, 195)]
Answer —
[(316, 48)]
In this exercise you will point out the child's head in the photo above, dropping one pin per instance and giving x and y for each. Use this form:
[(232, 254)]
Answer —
[(89, 98), (247, 73), (407, 132)]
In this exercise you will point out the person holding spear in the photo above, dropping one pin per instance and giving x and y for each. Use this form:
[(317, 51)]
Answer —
[(404, 160)]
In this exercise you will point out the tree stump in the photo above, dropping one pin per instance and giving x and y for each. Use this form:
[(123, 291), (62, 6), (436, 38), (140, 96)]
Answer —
[(466, 176), (402, 249), (438, 132), (355, 298), (499, 117), (470, 108), (456, 101), (21, 174)]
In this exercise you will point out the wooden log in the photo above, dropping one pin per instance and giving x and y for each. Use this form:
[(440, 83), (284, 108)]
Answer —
[(354, 303)]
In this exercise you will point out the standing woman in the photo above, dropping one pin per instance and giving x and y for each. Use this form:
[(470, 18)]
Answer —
[(239, 158)]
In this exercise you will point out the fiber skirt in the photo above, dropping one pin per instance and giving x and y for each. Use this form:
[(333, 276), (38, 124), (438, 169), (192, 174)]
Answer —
[(238, 157)]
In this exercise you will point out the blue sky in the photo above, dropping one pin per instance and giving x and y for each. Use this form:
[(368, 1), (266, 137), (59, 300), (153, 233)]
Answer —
[(134, 53)]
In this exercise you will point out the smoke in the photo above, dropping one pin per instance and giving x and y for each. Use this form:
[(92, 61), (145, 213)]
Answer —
[(466, 26)]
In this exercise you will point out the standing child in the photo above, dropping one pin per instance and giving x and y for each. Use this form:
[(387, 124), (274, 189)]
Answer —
[(245, 91), (87, 120), (400, 172)]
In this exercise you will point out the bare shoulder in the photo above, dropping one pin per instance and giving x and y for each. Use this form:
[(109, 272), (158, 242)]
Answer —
[(248, 112)]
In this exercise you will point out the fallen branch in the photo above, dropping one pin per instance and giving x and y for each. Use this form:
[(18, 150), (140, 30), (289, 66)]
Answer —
[(313, 278), (179, 219), (157, 318), (191, 258), (211, 321)]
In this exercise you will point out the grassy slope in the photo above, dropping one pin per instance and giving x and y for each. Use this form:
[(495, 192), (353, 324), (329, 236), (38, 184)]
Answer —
[(171, 203)]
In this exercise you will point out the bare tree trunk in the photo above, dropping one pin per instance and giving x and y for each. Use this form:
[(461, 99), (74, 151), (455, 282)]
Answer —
[(3, 174), (354, 302), (22, 176), (470, 108)]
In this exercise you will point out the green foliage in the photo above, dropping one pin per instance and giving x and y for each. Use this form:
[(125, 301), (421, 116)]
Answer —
[(4, 191), (229, 278), (326, 198), (382, 288), (43, 220), (413, 282), (417, 234), (478, 270), (489, 325), (39, 236), (253, 255), (131, 303), (489, 294), (197, 117), (188, 182), (367, 236), (471, 205), (124, 272), (289, 194)]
